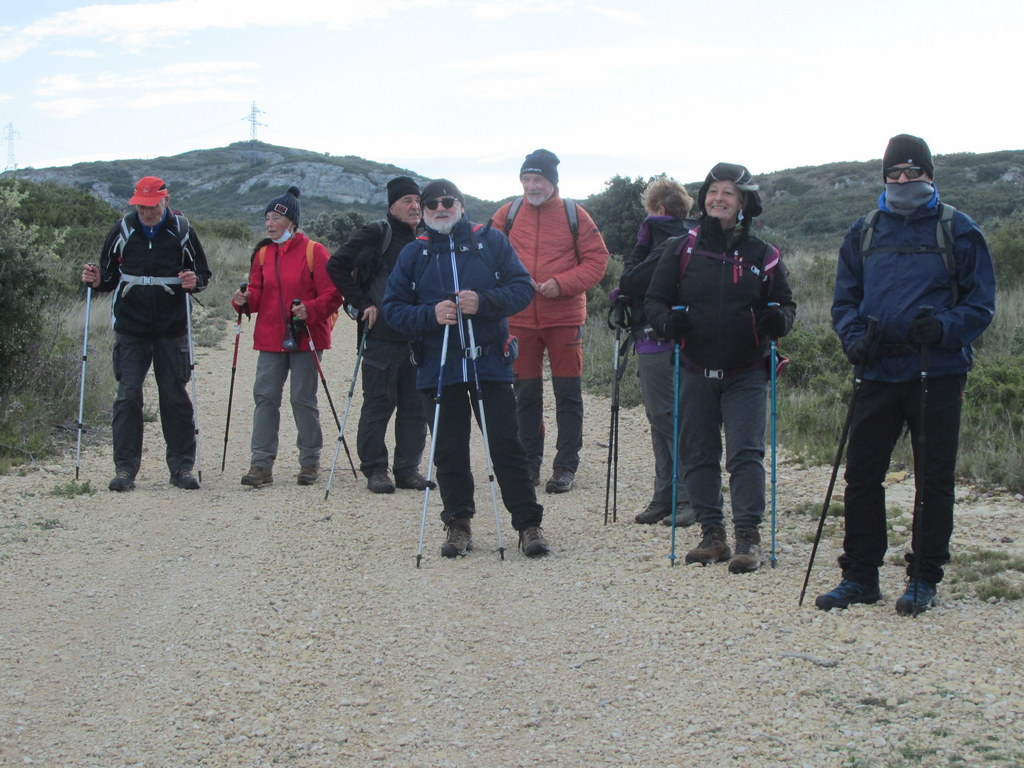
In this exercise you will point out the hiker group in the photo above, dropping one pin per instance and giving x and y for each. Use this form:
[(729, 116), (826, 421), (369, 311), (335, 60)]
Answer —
[(454, 319)]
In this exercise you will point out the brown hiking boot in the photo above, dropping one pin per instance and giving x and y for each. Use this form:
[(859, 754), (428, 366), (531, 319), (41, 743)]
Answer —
[(532, 542), (257, 477), (379, 482), (460, 537), (712, 548), (747, 557), (308, 474)]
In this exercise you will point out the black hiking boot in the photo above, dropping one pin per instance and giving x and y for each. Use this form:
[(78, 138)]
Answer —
[(847, 593)]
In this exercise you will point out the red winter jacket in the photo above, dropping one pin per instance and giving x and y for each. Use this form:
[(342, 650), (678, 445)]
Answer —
[(284, 275), (543, 241)]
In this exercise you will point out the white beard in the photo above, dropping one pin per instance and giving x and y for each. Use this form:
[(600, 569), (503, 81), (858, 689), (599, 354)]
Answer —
[(444, 227), (537, 198)]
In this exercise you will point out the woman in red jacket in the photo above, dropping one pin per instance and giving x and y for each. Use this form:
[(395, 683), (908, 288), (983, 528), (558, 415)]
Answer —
[(294, 301)]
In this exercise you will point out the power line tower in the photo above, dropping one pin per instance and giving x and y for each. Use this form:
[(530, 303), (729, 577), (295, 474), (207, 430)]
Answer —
[(254, 123), (8, 139)]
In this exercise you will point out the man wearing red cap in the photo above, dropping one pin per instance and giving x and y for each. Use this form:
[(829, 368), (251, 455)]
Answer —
[(150, 259)]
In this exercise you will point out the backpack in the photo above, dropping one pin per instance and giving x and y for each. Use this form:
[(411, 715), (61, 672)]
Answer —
[(571, 214), (184, 233), (943, 240), (262, 253)]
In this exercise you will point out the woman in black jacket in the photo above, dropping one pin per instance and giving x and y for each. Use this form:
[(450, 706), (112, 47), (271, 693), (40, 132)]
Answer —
[(722, 295)]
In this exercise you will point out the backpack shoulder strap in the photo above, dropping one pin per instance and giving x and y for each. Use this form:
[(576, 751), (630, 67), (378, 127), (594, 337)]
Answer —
[(122, 238), (867, 232), (512, 213), (685, 250), (309, 256), (573, 216), (481, 247), (262, 253), (384, 242)]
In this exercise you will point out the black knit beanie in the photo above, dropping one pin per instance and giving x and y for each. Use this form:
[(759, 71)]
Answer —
[(908, 149), (441, 188), (286, 205), (399, 187), (541, 162)]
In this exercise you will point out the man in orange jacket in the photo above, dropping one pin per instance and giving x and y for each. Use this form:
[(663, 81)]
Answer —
[(563, 251)]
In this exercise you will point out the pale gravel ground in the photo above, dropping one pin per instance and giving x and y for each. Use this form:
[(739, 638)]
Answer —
[(232, 627)]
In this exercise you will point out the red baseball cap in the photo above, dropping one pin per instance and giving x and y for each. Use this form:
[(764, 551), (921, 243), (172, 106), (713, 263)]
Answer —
[(149, 191)]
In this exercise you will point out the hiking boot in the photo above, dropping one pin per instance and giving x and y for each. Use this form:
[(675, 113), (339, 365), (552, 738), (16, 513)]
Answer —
[(847, 593), (459, 539), (532, 542), (257, 477), (122, 482), (379, 482), (747, 555), (919, 597), (653, 514), (184, 478), (712, 548), (308, 474), (562, 480), (414, 482), (686, 516)]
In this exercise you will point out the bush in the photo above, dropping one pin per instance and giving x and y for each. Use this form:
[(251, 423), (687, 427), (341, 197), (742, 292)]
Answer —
[(1007, 245)]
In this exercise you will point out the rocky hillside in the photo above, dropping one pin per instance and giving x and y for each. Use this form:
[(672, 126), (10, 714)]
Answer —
[(809, 207)]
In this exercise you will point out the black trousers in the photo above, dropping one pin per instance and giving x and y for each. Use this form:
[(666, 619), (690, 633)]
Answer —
[(508, 457), (879, 416), (133, 356), (389, 385)]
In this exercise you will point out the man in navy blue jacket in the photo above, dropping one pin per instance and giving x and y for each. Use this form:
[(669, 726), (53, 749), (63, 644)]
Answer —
[(914, 288), (454, 279)]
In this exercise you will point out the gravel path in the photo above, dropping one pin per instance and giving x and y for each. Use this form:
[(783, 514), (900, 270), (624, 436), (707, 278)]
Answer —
[(240, 627)]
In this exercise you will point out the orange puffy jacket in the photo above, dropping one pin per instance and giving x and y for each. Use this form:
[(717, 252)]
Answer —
[(544, 243)]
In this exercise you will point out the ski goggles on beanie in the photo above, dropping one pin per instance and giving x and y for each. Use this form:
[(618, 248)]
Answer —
[(739, 176)]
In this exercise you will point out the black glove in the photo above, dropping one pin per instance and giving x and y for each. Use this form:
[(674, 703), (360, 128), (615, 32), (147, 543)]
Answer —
[(677, 325), (773, 323), (925, 331), (863, 351)]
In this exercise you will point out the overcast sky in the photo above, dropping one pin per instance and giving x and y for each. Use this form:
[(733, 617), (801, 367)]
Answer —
[(465, 89)]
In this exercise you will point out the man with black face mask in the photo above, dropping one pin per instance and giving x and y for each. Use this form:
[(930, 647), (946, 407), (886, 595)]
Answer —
[(914, 288)]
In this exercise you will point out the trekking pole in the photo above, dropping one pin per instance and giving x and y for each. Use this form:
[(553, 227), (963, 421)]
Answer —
[(234, 368), (323, 382), (773, 361), (81, 388), (192, 375), (473, 352), (348, 404), (858, 372), (619, 352), (675, 439), (915, 536), (433, 442)]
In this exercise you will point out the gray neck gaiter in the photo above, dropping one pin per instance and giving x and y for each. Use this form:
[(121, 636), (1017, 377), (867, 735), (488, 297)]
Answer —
[(904, 199)]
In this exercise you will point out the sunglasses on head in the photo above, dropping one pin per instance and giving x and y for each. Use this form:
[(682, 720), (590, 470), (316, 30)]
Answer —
[(911, 171), (447, 202)]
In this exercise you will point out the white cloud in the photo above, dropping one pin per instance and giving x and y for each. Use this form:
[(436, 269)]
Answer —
[(63, 109)]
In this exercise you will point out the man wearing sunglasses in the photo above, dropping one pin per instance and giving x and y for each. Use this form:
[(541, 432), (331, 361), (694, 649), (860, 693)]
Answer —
[(452, 291), (914, 288), (565, 255)]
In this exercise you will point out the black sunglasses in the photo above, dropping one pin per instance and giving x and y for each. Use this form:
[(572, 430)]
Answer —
[(911, 171), (447, 202)]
